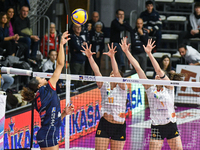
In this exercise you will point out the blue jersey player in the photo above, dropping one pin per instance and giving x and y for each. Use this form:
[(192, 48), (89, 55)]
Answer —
[(48, 103)]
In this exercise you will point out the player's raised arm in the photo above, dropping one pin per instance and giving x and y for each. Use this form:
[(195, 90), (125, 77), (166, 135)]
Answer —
[(133, 61), (158, 70), (60, 60), (111, 54), (95, 68)]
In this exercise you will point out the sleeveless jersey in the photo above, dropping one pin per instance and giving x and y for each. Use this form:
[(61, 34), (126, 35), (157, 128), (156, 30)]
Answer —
[(161, 104), (48, 106), (113, 101)]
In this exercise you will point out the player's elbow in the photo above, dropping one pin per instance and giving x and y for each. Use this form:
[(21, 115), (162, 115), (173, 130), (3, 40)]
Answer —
[(61, 64)]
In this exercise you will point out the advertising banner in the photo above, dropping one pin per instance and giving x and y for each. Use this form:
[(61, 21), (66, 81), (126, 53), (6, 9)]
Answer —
[(189, 95), (2, 119)]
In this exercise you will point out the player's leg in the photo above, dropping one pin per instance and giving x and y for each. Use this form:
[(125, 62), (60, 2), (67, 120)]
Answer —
[(102, 139), (118, 137), (155, 144), (56, 147), (116, 145), (101, 143), (173, 138), (175, 143), (156, 140)]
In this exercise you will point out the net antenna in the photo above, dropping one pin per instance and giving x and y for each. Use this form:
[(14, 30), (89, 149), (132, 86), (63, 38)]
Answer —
[(38, 7)]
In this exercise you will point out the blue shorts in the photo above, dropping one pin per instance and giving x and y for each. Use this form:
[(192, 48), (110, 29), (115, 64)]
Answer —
[(48, 137)]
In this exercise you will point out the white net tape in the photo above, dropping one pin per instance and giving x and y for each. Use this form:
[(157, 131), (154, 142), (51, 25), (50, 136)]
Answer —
[(120, 80), (38, 7)]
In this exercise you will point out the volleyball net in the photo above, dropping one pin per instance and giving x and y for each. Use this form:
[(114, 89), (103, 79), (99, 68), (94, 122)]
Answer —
[(127, 112)]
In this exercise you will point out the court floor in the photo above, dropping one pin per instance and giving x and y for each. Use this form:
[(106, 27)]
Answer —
[(138, 131)]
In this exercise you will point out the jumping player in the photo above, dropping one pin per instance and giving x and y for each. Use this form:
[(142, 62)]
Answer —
[(112, 125), (161, 102), (48, 103)]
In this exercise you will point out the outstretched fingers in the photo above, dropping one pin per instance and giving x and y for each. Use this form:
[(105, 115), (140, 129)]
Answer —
[(115, 48), (153, 43), (108, 46), (83, 47)]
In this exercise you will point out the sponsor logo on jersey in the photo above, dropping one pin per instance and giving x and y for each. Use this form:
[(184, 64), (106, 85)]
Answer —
[(39, 141), (154, 135), (53, 115), (122, 137), (53, 109), (98, 132), (176, 133)]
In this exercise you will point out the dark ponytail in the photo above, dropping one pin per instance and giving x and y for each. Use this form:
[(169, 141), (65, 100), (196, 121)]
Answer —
[(28, 93), (176, 76)]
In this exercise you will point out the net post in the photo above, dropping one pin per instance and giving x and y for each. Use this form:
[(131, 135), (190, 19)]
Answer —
[(67, 135), (68, 82)]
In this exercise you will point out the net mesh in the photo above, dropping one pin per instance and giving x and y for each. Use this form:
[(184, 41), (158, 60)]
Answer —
[(124, 114), (38, 7)]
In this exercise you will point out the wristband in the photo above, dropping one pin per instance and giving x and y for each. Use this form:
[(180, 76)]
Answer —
[(162, 76)]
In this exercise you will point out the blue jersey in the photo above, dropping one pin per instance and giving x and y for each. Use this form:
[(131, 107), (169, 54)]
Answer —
[(48, 106)]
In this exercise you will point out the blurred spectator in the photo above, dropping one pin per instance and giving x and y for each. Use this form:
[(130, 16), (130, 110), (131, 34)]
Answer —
[(7, 42), (85, 31), (139, 37), (20, 46), (118, 26), (166, 66), (6, 81), (22, 28), (95, 18), (152, 22), (10, 14), (97, 41), (16, 4), (50, 66), (193, 25), (77, 57), (191, 55), (53, 40)]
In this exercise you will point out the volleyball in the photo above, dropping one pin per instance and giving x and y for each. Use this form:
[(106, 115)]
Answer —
[(79, 16)]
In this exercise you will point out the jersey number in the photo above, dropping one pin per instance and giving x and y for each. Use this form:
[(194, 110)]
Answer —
[(110, 99)]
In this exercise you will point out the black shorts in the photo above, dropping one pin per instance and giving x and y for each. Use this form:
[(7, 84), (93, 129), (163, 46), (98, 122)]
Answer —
[(110, 130), (168, 131)]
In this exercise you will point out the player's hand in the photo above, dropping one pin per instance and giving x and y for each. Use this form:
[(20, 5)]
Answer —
[(68, 110), (150, 46), (124, 46), (111, 52), (64, 38), (87, 50)]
